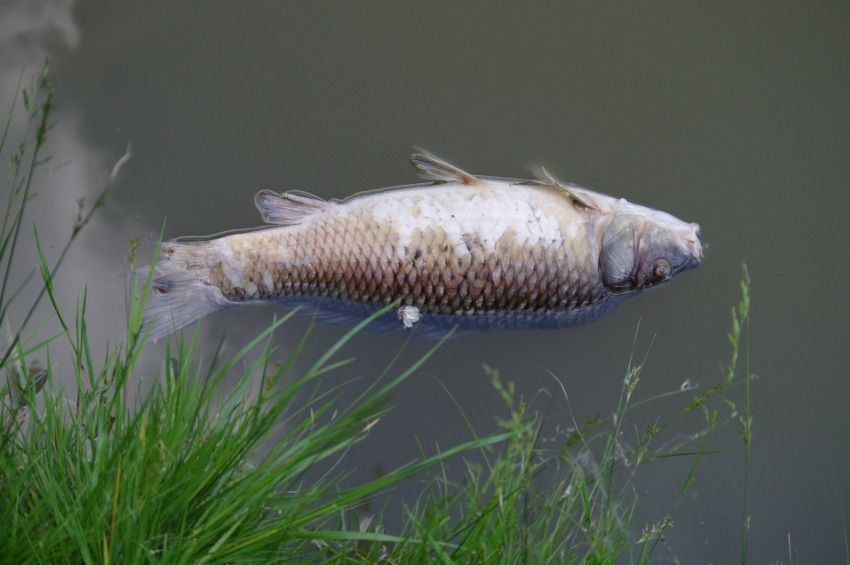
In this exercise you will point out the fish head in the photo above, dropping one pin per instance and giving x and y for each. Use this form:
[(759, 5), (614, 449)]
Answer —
[(642, 248)]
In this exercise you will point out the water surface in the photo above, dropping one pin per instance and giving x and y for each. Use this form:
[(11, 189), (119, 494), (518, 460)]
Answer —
[(732, 116)]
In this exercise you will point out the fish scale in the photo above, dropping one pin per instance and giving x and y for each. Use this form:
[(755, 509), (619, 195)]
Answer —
[(463, 249), (327, 259)]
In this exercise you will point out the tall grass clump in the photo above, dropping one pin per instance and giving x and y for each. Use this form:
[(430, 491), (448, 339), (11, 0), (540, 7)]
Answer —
[(199, 470), (184, 473)]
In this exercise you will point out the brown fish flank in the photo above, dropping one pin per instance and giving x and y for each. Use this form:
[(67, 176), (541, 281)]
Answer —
[(487, 252), (355, 258)]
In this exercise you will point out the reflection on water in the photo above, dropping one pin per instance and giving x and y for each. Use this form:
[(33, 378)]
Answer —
[(29, 33), (732, 116)]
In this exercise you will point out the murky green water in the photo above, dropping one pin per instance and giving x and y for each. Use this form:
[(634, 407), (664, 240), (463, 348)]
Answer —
[(733, 116)]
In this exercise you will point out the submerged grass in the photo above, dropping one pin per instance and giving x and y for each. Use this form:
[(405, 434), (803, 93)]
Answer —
[(187, 472)]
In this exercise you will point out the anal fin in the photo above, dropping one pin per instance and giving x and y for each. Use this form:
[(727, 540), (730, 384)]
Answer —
[(289, 208)]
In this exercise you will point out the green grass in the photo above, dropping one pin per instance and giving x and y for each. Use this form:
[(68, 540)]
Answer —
[(197, 470)]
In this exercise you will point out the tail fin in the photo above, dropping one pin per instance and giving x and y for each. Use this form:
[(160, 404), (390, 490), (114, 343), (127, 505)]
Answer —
[(180, 292)]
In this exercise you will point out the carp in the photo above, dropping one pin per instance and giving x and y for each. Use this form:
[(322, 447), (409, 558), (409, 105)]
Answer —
[(459, 251)]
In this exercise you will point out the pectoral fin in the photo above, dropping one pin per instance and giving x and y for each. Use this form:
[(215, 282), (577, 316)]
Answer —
[(579, 198), (289, 208), (433, 168)]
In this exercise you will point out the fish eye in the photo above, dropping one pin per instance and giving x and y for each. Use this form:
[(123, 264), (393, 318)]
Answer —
[(661, 269)]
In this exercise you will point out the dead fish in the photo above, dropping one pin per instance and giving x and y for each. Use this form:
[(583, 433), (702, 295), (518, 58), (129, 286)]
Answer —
[(462, 250)]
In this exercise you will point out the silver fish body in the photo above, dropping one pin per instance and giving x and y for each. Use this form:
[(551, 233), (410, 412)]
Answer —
[(463, 250)]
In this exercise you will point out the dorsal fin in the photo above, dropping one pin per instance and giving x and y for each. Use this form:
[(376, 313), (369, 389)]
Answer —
[(290, 208), (546, 178), (433, 168)]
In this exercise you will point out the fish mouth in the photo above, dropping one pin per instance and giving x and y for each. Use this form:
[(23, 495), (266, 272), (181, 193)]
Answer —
[(694, 249), (690, 252), (689, 265)]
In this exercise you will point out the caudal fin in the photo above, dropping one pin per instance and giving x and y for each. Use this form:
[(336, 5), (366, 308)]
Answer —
[(180, 291)]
